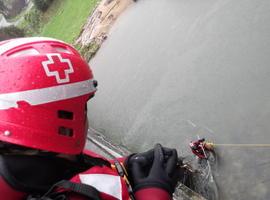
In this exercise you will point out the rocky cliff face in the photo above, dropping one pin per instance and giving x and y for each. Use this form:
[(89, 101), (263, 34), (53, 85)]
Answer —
[(11, 8), (100, 22), (3, 21), (97, 27)]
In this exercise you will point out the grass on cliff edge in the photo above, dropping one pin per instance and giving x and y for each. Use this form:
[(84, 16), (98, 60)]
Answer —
[(67, 22)]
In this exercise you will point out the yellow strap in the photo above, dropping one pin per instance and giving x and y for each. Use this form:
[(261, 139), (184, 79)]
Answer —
[(244, 145), (211, 145)]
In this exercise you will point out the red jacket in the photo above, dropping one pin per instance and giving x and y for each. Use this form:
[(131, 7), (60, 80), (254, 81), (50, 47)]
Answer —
[(106, 180)]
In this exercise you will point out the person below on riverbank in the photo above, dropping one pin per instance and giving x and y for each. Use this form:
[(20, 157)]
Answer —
[(44, 89)]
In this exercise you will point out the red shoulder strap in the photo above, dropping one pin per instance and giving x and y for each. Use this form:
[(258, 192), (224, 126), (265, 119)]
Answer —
[(8, 193)]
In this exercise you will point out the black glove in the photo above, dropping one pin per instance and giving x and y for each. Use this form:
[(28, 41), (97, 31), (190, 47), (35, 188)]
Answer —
[(154, 168)]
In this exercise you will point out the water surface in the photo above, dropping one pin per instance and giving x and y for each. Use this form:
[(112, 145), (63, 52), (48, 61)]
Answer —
[(172, 70)]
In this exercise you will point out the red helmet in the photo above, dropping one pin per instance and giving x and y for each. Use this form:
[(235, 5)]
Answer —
[(44, 87)]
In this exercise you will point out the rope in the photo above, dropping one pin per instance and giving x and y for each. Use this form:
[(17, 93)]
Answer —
[(211, 145), (243, 145)]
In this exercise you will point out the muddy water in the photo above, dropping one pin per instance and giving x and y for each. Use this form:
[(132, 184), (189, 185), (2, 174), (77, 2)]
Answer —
[(172, 70)]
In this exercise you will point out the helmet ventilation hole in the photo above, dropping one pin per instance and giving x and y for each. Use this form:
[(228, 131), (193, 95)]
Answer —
[(65, 131), (65, 114), (24, 52)]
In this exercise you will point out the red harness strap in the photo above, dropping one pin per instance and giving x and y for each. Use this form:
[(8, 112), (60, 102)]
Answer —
[(8, 193)]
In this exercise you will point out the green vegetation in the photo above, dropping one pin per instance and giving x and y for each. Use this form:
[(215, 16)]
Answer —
[(61, 19), (32, 22), (35, 19), (88, 51), (42, 5), (10, 32), (67, 23)]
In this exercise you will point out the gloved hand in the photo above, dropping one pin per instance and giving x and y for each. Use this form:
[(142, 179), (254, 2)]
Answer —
[(155, 168)]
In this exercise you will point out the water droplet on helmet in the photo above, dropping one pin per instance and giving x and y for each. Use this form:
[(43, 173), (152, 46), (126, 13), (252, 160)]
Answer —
[(7, 133), (19, 77)]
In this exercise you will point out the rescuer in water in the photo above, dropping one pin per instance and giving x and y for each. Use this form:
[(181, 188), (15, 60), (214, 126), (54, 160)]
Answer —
[(44, 88)]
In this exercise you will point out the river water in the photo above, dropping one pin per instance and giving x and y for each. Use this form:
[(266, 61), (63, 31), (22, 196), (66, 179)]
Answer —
[(172, 70)]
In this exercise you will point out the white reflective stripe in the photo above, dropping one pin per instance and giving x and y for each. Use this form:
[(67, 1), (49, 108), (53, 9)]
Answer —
[(105, 183), (21, 41), (47, 95)]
